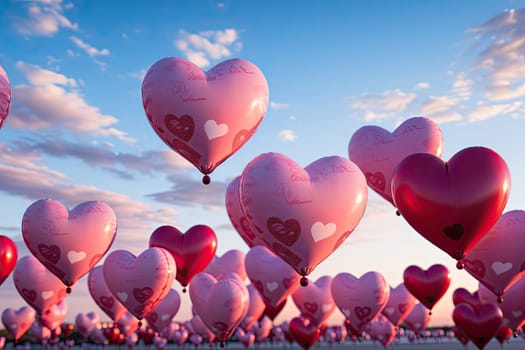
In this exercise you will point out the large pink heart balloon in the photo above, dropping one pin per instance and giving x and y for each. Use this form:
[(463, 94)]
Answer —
[(17, 322), (221, 304), (55, 316), (69, 243), (205, 117), (452, 204), (160, 317), (102, 295), (85, 323), (139, 283), (5, 96), (498, 260), (315, 300), (418, 319), (37, 285), (512, 305), (270, 275), (479, 324), (303, 215), (360, 299), (377, 152), (382, 330), (231, 261), (255, 309), (428, 286), (399, 305)]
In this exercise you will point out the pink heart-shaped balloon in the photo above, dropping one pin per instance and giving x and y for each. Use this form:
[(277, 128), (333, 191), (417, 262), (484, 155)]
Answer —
[(418, 319), (128, 324), (262, 329), (41, 333), (304, 331), (399, 305), (498, 259), (69, 243), (247, 339), (428, 286), (479, 324), (102, 295), (231, 261), (180, 336), (315, 300), (377, 152), (85, 323), (139, 283), (381, 330), (303, 215), (270, 275), (5, 96), (360, 299), (17, 322), (37, 285), (160, 317), (221, 304), (452, 204), (55, 316), (205, 117), (256, 308), (198, 327), (461, 295)]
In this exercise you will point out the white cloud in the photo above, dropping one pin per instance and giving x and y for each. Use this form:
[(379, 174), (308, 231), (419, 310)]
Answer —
[(442, 118), (278, 105), (438, 104), (503, 90), (44, 17), (487, 112), (87, 48), (422, 85), (287, 135), (42, 77), (462, 86), (381, 105)]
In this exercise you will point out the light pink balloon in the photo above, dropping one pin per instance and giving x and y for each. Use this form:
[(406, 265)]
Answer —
[(37, 285), (128, 323), (139, 283), (198, 327), (315, 300), (399, 305), (255, 308), (498, 259), (5, 96), (418, 319), (303, 215), (270, 275), (180, 336), (512, 305), (160, 317), (86, 322), (205, 117), (247, 339), (382, 330), (102, 295), (360, 299), (262, 329), (69, 243), (377, 152), (221, 304), (17, 322), (55, 316), (231, 261)]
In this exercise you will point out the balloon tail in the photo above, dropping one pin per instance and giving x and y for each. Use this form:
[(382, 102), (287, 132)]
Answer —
[(68, 290), (460, 265), (206, 179), (184, 290), (304, 281)]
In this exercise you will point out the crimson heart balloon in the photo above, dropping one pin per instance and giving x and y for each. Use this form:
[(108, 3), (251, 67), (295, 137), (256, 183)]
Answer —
[(192, 251), (304, 332), (479, 324), (273, 311), (452, 204), (8, 257), (461, 295), (427, 286)]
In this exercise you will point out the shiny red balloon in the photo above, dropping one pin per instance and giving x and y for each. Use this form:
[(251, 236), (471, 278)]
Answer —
[(192, 251), (273, 311), (428, 286), (304, 332), (452, 204), (8, 257), (503, 333), (461, 295), (479, 324)]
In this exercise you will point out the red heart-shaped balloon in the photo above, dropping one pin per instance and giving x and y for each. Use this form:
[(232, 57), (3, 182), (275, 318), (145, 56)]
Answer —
[(8, 257), (479, 324), (428, 286), (461, 295), (304, 332)]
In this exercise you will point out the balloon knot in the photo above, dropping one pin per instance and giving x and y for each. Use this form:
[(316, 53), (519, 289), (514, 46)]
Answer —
[(398, 213), (206, 179), (460, 265), (184, 290), (140, 324), (304, 281), (429, 312), (500, 299), (68, 290)]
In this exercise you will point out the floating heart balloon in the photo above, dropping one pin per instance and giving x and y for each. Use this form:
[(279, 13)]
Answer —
[(315, 300), (273, 311), (5, 96), (382, 330), (69, 243), (41, 333), (479, 324), (304, 332), (192, 251), (180, 336), (270, 275), (85, 323), (55, 316), (360, 299), (498, 260), (37, 285), (377, 152), (17, 322), (139, 283), (503, 334), (461, 295), (8, 254), (102, 295), (205, 117), (128, 323), (428, 286), (247, 339), (262, 329), (199, 328), (452, 204), (303, 215), (255, 308), (418, 319), (160, 317), (232, 261), (400, 304)]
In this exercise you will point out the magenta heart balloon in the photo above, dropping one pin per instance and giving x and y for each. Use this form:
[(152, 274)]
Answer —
[(461, 295), (303, 215), (360, 299), (270, 275), (17, 322), (69, 243), (5, 96), (55, 316), (512, 305), (102, 295), (232, 261), (139, 283), (479, 324), (381, 330), (428, 286), (160, 317), (256, 307), (85, 323), (377, 152), (37, 285), (498, 260), (452, 204), (221, 304), (205, 116), (315, 300), (399, 305), (418, 319)]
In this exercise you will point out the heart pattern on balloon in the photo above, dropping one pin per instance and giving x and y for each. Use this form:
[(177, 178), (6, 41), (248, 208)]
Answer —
[(315, 301), (399, 305), (160, 317), (102, 296)]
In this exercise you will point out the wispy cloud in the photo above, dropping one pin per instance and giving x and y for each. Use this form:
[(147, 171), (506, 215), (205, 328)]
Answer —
[(491, 111), (278, 105), (438, 104), (287, 135), (386, 104), (422, 85), (87, 48), (44, 18)]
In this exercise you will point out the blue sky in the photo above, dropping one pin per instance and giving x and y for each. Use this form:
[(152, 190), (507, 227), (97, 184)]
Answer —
[(77, 130)]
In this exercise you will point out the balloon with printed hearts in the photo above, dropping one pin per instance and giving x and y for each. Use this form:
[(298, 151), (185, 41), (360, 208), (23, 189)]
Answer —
[(160, 317), (377, 151), (69, 243), (315, 300), (55, 316), (37, 285), (86, 322), (400, 304), (498, 260), (205, 116), (5, 96), (479, 324), (18, 322), (102, 296), (303, 214), (428, 286), (139, 282), (255, 308), (452, 204), (231, 261), (418, 319), (273, 311), (8, 256)]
